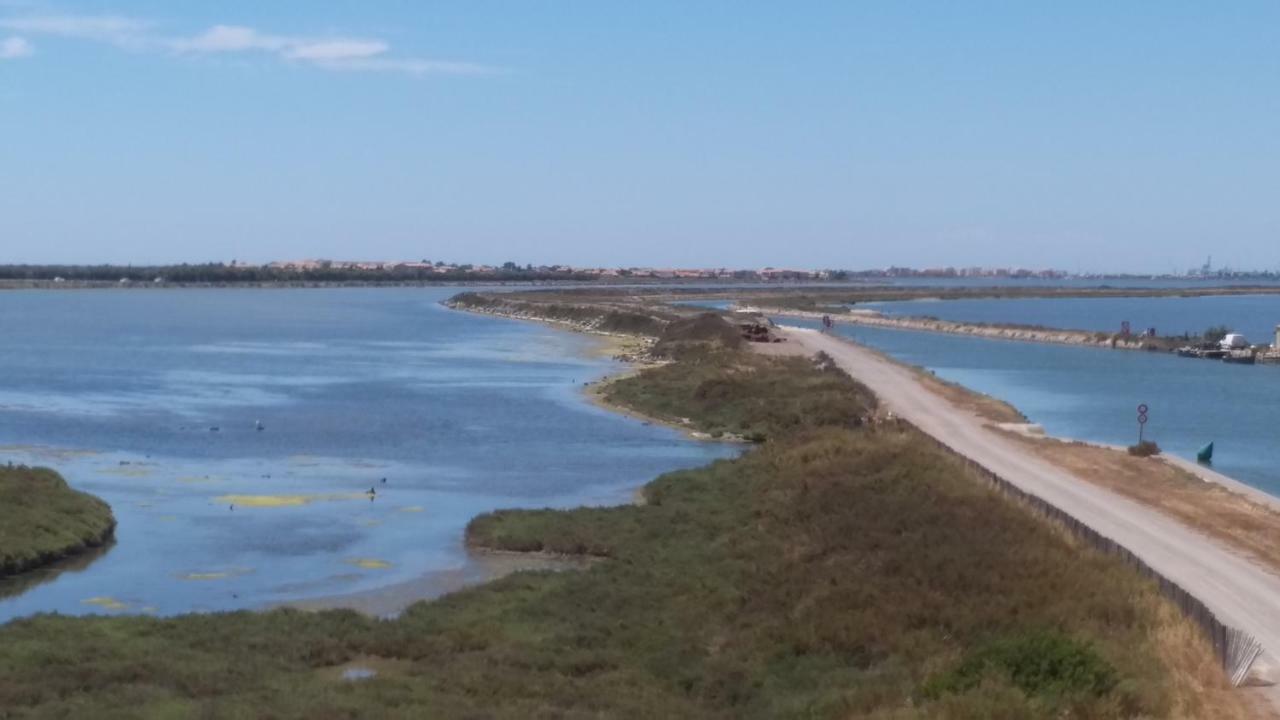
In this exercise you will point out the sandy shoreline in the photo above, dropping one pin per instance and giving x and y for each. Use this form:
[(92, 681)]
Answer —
[(483, 566)]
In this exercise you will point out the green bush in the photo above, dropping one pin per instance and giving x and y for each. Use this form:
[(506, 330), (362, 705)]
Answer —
[(1046, 664), (1216, 333)]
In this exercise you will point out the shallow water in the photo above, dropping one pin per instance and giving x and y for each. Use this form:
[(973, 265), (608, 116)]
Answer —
[(121, 392)]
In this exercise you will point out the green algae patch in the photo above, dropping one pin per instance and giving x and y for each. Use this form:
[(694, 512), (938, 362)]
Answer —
[(278, 501), (369, 563), (411, 509), (42, 519), (106, 603)]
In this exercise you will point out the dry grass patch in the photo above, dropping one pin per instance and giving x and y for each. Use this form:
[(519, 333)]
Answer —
[(982, 405), (1230, 517)]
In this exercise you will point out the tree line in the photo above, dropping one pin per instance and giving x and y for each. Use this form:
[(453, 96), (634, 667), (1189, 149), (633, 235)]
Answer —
[(221, 273)]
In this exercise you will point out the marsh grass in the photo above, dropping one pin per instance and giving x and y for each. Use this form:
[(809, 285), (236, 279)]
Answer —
[(837, 570), (725, 392), (43, 520)]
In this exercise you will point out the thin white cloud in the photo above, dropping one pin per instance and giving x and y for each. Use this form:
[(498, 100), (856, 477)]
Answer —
[(336, 50), (330, 53), (235, 38), (227, 38), (12, 48), (119, 31), (410, 66)]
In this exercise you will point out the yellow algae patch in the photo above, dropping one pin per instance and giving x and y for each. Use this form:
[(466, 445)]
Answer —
[(42, 451), (370, 523), (369, 563), (411, 508), (216, 575), (106, 603), (263, 500), (273, 501), (206, 576)]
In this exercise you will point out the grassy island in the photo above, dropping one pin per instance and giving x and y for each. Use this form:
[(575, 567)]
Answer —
[(844, 566), (42, 519)]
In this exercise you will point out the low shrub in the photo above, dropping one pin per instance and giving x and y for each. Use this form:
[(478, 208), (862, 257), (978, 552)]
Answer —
[(1146, 448)]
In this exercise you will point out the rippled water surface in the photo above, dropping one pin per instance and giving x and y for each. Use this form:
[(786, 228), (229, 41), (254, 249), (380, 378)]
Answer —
[(152, 400)]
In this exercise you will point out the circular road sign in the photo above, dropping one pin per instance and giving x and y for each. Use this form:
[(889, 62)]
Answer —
[(1142, 409)]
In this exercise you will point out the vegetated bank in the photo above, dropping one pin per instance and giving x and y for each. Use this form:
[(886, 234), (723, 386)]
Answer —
[(845, 567), (43, 520), (621, 316)]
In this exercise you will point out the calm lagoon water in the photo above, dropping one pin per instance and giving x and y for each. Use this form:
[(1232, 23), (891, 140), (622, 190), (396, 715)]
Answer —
[(1092, 394), (1254, 315), (121, 392)]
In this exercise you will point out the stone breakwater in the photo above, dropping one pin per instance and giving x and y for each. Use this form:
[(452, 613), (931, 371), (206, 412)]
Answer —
[(999, 332)]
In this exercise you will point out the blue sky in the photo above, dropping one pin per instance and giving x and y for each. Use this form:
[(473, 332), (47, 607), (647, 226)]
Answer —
[(1086, 135)]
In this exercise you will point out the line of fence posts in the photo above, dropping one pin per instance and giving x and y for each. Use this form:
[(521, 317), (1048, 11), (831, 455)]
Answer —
[(1235, 649)]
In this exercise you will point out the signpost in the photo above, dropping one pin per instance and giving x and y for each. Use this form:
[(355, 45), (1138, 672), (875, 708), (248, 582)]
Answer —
[(1142, 421)]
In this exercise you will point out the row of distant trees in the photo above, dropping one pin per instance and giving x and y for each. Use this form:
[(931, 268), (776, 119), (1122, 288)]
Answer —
[(221, 273)]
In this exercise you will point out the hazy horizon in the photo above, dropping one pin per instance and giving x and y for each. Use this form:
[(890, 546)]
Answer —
[(1086, 138)]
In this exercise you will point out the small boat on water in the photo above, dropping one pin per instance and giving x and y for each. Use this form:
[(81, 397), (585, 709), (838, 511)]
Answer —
[(1205, 456), (1240, 357), (1209, 352)]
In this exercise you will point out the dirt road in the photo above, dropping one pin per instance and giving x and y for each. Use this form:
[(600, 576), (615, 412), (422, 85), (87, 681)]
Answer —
[(1241, 593)]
